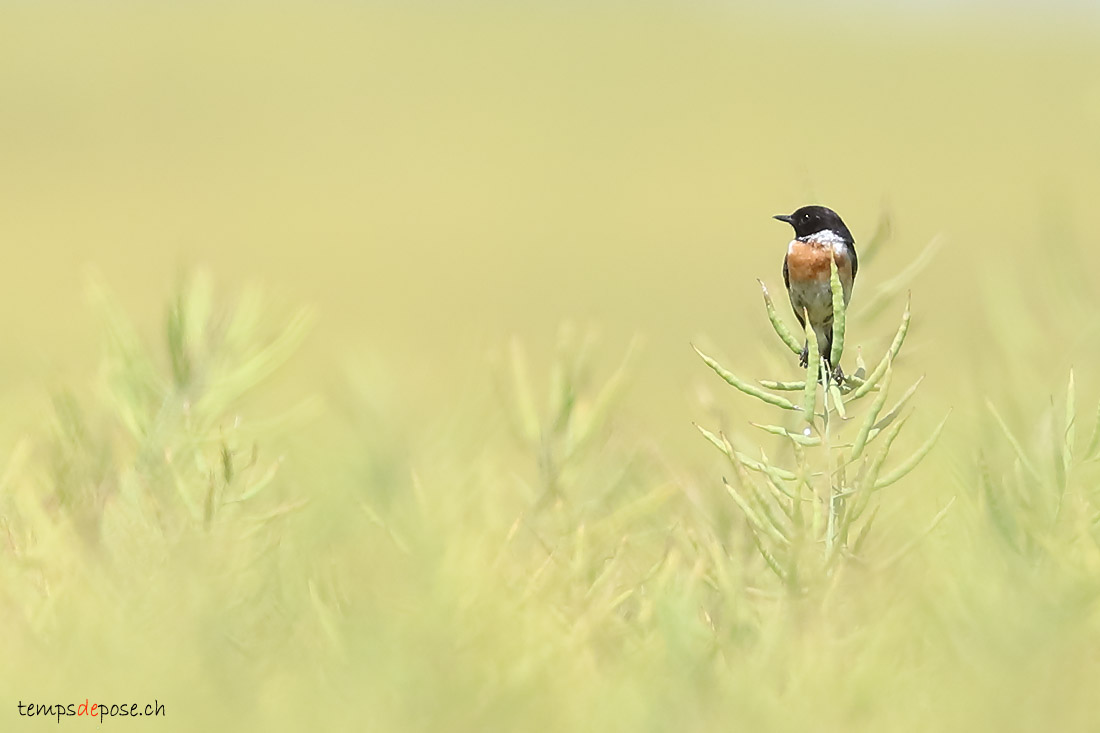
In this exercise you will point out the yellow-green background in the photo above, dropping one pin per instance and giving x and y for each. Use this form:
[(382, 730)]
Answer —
[(436, 178)]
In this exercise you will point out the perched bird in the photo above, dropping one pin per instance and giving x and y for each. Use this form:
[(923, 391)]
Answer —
[(818, 235)]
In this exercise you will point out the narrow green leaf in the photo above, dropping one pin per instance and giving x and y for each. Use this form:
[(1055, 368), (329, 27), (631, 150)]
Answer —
[(913, 460), (783, 386), (748, 462), (780, 328), (1057, 454), (769, 558), (813, 367), (839, 317), (259, 484), (609, 393), (906, 549), (892, 352), (749, 389), (1024, 460), (800, 438), (864, 531), (1003, 517), (838, 400), (871, 476), (263, 362), (754, 465), (176, 331), (896, 409), (1093, 450), (888, 290), (773, 524), (798, 518), (775, 479), (1059, 451), (711, 437), (755, 521), (853, 382), (872, 415)]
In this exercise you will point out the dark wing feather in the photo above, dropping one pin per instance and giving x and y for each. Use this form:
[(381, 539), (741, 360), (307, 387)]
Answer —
[(855, 260), (787, 284)]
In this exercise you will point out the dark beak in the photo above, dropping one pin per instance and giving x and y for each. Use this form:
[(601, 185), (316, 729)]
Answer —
[(783, 217)]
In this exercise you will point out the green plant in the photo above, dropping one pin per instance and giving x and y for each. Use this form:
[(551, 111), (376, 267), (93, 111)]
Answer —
[(164, 438), (807, 515), (157, 464), (576, 411), (1027, 514)]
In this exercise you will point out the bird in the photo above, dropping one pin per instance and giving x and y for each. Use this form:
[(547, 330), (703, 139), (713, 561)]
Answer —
[(819, 233)]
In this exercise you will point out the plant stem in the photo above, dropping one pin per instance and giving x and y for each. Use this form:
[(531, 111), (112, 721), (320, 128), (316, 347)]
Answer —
[(836, 502)]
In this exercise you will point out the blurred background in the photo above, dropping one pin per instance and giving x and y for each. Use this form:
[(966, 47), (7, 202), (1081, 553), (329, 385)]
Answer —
[(436, 179)]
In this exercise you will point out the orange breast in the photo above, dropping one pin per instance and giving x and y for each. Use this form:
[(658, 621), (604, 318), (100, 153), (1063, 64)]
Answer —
[(810, 261)]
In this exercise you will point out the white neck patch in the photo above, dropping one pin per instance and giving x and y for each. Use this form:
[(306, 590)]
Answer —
[(826, 237)]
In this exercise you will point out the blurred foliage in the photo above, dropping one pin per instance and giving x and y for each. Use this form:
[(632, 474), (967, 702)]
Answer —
[(148, 538), (152, 475), (402, 554)]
